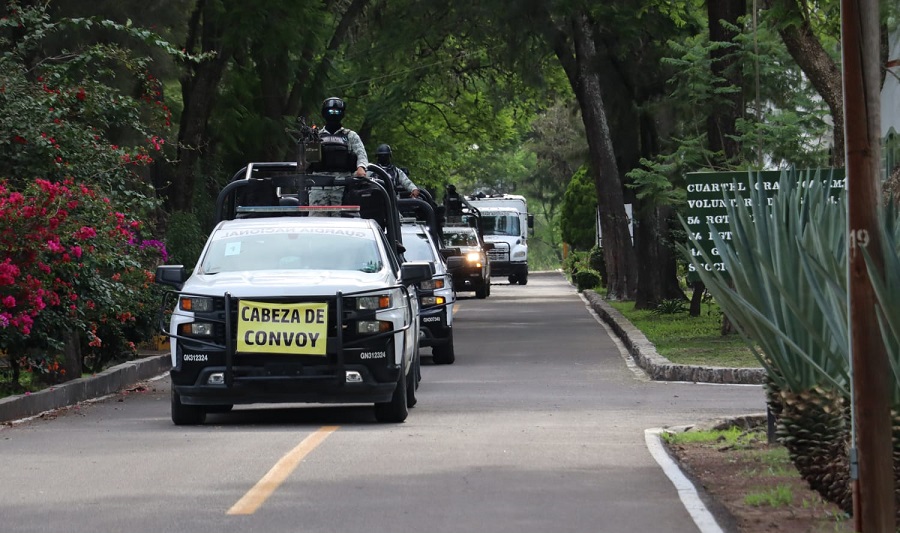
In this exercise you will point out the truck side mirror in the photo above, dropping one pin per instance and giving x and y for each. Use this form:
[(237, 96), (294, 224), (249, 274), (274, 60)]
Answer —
[(415, 272), (455, 263), (172, 275)]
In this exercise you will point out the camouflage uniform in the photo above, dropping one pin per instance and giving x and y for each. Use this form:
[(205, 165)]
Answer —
[(333, 195)]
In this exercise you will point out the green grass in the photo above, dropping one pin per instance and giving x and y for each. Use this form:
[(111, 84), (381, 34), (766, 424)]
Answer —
[(773, 462), (734, 437), (688, 340), (775, 497)]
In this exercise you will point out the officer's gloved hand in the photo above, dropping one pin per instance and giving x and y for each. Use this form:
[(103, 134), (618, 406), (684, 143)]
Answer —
[(360, 172)]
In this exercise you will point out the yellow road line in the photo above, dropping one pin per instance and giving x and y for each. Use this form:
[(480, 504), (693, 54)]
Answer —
[(264, 488)]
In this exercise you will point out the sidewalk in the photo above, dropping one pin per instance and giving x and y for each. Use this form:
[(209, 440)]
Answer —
[(109, 381)]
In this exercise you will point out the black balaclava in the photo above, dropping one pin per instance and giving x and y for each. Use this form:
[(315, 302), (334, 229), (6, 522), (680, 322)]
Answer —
[(384, 155), (333, 112)]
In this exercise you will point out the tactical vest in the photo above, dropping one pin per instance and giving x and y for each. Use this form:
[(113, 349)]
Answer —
[(336, 154)]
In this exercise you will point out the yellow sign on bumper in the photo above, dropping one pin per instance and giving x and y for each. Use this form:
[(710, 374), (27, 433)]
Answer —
[(293, 329)]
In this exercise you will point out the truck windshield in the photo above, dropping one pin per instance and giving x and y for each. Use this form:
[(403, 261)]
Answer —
[(460, 238), (285, 249), (501, 225)]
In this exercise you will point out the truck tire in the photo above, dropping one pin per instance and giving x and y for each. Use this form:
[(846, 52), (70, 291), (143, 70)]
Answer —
[(412, 383), (394, 411), (523, 278), (186, 415), (443, 354), (482, 292)]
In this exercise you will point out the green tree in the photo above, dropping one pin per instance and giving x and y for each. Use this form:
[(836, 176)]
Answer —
[(579, 207), (557, 141)]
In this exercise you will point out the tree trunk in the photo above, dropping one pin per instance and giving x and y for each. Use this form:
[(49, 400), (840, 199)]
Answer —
[(646, 231), (668, 256), (72, 362), (814, 61), (722, 121), (198, 88), (579, 65), (697, 297)]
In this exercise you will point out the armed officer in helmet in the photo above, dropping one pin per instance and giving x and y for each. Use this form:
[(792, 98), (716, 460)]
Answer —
[(399, 179), (343, 152)]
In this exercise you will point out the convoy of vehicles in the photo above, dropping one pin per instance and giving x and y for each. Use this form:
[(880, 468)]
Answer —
[(291, 302)]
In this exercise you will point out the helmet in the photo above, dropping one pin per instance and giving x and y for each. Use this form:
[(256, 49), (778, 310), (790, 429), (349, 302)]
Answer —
[(383, 154), (333, 109)]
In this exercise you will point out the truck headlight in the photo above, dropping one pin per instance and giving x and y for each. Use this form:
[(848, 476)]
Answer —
[(519, 255), (373, 303), (473, 257), (432, 284), (196, 329), (197, 304), (368, 327), (433, 300)]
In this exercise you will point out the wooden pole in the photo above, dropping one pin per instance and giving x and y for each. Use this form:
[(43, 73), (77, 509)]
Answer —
[(874, 489)]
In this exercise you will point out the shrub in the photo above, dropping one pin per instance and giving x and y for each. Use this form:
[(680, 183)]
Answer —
[(597, 261), (73, 268), (670, 307), (586, 279), (575, 261)]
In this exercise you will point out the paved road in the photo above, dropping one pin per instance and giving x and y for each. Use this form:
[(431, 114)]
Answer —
[(538, 427)]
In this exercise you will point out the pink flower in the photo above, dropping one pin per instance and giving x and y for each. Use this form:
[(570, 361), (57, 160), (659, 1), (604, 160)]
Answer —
[(85, 233), (76, 251), (8, 272), (55, 247), (8, 302)]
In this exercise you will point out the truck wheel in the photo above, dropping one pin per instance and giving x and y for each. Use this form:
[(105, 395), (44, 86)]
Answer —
[(412, 383), (513, 280), (396, 409), (523, 279), (186, 415), (482, 292), (443, 354)]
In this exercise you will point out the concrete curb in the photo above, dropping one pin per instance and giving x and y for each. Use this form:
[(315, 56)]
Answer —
[(109, 381), (658, 367)]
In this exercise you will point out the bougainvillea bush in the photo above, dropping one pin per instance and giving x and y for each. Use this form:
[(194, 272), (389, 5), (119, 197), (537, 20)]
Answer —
[(73, 266), (77, 249)]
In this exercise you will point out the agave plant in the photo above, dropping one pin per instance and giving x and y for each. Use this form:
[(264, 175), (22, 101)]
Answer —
[(785, 290)]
